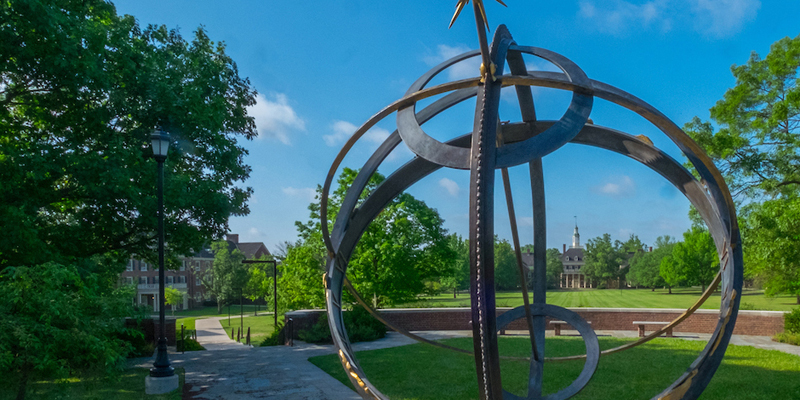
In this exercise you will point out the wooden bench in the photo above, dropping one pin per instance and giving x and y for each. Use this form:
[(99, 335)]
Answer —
[(557, 326), (642, 324)]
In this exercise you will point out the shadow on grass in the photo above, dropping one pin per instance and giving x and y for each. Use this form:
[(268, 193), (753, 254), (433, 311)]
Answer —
[(424, 372)]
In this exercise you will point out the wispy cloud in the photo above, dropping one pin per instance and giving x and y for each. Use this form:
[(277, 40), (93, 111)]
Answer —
[(450, 186), (342, 130), (722, 18), (622, 186), (469, 68), (713, 18), (275, 118), (301, 193)]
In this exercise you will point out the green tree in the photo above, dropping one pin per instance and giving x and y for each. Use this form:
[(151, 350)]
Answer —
[(58, 319), (81, 89), (554, 268), (227, 277), (173, 297), (773, 246), (457, 278), (404, 247), (756, 146), (300, 281), (259, 281), (645, 267), (506, 271), (693, 261), (603, 258)]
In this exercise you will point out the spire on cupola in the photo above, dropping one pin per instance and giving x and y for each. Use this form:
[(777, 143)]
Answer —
[(576, 237)]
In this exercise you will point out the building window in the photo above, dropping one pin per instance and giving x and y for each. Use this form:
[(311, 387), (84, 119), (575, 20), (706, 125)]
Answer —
[(170, 280), (129, 280), (130, 265), (155, 280), (142, 280), (183, 265), (142, 266), (181, 279)]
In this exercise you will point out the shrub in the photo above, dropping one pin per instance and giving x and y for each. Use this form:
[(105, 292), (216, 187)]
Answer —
[(276, 338), (791, 321), (361, 327), (189, 345), (785, 337)]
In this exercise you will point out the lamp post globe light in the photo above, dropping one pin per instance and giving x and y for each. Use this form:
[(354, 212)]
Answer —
[(162, 377)]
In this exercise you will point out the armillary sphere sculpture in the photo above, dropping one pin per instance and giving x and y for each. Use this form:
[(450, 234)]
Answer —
[(494, 145)]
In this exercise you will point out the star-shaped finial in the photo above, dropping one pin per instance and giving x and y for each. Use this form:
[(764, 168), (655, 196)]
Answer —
[(462, 3)]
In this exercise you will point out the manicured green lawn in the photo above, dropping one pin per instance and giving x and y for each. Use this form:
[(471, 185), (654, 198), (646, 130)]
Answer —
[(627, 298), (130, 386), (422, 371), (260, 327)]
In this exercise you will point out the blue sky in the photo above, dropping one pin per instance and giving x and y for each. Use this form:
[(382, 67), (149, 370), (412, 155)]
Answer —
[(323, 68)]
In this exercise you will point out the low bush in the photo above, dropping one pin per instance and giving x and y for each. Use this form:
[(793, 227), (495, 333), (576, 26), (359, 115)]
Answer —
[(790, 338), (276, 338), (189, 345), (791, 321), (361, 327)]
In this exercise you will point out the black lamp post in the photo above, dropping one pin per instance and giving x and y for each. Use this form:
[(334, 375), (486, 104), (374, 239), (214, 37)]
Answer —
[(161, 367)]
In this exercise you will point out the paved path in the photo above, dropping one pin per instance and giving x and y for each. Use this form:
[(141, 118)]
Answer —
[(229, 370)]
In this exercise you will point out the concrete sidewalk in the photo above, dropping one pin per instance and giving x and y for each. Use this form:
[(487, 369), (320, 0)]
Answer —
[(213, 337)]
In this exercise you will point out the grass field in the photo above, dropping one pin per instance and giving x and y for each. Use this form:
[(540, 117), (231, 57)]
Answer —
[(614, 298), (260, 327), (422, 371), (130, 386)]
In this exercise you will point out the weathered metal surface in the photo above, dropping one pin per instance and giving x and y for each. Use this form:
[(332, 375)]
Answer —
[(524, 142)]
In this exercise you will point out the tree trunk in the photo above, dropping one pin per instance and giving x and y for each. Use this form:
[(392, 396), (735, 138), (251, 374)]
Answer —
[(670, 290), (653, 289), (702, 287), (23, 383), (455, 293)]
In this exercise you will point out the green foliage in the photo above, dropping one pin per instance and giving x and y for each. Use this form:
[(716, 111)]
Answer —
[(772, 240), (756, 144), (457, 278), (645, 267), (791, 321), (506, 271), (276, 338), (360, 325), (404, 247), (227, 277), (786, 337), (189, 344), (57, 319), (554, 268), (693, 261), (603, 259), (173, 297), (81, 89)]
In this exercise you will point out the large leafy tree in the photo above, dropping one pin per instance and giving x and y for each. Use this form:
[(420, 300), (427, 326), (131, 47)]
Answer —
[(773, 246), (554, 268), (457, 278), (506, 271), (404, 247), (694, 261), (645, 267), (228, 277), (603, 258), (756, 145), (81, 89)]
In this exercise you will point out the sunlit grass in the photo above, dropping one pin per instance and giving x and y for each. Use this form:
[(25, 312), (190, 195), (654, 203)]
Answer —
[(260, 327), (129, 385), (422, 371)]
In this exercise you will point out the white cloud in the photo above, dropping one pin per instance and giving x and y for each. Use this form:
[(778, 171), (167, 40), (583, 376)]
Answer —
[(450, 186), (342, 130), (525, 221), (469, 68), (622, 186), (302, 193), (253, 231), (275, 118), (722, 18), (713, 18), (619, 16)]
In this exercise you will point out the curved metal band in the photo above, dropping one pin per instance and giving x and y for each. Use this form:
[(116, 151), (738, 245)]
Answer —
[(510, 155)]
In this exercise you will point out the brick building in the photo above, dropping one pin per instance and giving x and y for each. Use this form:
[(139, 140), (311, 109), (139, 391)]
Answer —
[(188, 277)]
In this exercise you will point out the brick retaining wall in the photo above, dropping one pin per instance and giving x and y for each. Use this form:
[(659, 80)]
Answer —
[(760, 323)]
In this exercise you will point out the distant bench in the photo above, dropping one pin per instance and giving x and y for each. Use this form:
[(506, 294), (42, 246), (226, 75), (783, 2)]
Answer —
[(557, 326), (642, 324)]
